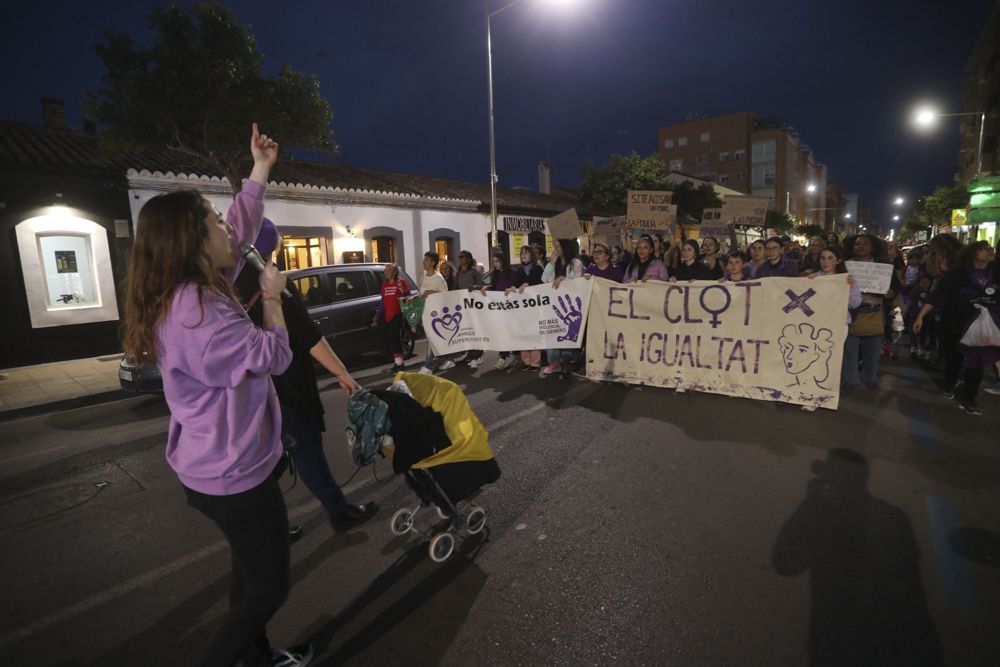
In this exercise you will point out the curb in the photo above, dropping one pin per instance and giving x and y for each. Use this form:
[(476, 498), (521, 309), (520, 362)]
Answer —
[(66, 404)]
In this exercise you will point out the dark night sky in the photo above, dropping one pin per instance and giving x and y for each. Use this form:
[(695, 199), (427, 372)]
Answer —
[(407, 79)]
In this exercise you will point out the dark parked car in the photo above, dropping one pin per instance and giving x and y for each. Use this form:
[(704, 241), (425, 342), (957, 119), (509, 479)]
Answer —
[(342, 300)]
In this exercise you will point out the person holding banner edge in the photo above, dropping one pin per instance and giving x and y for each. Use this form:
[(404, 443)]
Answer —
[(690, 266), (563, 265), (529, 274), (644, 264)]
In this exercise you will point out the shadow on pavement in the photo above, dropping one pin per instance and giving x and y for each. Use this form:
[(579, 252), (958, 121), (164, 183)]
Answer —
[(376, 619), (868, 602), (108, 415), (176, 638), (977, 544)]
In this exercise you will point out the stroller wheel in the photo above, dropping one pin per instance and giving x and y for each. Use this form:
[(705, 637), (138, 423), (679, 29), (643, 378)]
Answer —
[(402, 522), (475, 521), (441, 547)]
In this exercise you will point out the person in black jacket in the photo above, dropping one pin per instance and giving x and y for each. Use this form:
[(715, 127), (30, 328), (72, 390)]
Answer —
[(298, 393), (529, 273), (975, 281), (690, 266)]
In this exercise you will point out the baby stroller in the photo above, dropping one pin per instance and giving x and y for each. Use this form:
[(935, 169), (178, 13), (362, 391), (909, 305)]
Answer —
[(442, 449)]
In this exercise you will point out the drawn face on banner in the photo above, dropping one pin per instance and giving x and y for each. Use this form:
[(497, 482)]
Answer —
[(806, 352)]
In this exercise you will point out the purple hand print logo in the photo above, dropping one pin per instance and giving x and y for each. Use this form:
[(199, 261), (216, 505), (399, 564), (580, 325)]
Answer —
[(572, 316), (446, 326)]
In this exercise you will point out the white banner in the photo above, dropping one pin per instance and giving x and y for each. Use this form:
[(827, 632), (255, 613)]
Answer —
[(540, 318), (776, 339), (872, 277)]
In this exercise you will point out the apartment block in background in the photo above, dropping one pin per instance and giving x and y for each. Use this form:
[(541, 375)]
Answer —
[(753, 155)]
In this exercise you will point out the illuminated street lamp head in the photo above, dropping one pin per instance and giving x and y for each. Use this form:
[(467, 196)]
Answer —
[(899, 201), (811, 187), (925, 117), (895, 217), (847, 215)]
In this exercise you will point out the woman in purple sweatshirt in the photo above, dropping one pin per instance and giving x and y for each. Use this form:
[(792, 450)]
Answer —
[(224, 441)]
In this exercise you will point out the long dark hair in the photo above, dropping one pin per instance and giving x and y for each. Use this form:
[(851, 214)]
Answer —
[(638, 264), (878, 246), (968, 254), (569, 252), (838, 253), (168, 250)]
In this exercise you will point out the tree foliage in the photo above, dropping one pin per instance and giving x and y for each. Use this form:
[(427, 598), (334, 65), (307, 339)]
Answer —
[(605, 188), (811, 230), (779, 222), (692, 201), (935, 209), (198, 88)]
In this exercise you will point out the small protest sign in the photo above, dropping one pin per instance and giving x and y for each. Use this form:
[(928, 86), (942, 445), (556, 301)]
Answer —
[(651, 210), (713, 224), (871, 277), (565, 225)]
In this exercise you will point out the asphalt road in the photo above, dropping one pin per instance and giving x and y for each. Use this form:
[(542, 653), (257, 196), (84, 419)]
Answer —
[(631, 526)]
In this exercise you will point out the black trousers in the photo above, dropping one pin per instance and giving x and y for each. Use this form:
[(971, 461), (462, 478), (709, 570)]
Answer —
[(255, 523), (394, 329)]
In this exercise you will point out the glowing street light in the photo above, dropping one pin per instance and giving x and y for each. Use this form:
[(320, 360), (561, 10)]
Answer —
[(926, 117), (899, 201), (895, 218), (811, 188)]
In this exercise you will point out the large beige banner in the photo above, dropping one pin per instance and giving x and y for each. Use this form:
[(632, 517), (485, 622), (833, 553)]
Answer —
[(775, 339)]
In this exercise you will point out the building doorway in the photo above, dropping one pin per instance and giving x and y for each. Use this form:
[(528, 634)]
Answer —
[(383, 249), (443, 247)]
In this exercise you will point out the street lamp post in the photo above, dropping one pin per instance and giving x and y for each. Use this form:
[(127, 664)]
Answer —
[(926, 117), (489, 80)]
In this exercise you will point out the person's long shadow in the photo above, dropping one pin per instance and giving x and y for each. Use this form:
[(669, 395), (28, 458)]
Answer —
[(438, 598), (868, 602), (176, 637)]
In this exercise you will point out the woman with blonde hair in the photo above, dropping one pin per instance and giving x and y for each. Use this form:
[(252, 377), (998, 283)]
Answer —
[(224, 439)]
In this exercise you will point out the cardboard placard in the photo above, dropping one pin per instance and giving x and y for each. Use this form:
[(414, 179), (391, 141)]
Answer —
[(871, 277), (565, 225), (651, 210)]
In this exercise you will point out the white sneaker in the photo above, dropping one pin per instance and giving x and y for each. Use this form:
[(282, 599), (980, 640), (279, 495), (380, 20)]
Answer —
[(425, 371), (809, 408), (503, 363), (447, 364), (293, 656), (994, 389), (476, 363), (680, 390)]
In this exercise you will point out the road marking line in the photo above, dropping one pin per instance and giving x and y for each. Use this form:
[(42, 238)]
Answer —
[(122, 589)]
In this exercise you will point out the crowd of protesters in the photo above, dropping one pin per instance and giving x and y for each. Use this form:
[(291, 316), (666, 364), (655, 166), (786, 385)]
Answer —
[(939, 289)]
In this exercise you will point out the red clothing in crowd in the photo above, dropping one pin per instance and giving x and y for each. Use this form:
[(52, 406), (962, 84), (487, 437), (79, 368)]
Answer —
[(391, 294)]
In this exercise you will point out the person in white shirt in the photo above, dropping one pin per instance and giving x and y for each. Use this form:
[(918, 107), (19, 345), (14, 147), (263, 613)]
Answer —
[(431, 281)]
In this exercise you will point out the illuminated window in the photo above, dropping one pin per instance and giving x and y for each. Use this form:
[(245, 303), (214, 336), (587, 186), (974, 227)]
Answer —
[(442, 246), (66, 265), (303, 252)]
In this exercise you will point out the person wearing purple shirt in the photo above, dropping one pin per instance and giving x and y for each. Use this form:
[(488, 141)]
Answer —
[(774, 264), (224, 439), (602, 266)]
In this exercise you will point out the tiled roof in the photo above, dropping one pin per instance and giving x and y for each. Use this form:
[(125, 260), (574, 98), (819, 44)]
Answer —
[(29, 149)]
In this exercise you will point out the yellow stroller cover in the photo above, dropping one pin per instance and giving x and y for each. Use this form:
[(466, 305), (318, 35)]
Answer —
[(469, 439)]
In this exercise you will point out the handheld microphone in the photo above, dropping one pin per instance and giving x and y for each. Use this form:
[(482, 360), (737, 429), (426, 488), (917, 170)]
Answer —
[(253, 258)]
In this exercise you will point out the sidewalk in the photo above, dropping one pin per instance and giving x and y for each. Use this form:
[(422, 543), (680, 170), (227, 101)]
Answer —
[(32, 386)]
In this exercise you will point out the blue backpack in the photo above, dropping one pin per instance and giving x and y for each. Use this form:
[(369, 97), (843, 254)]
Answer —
[(367, 425)]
